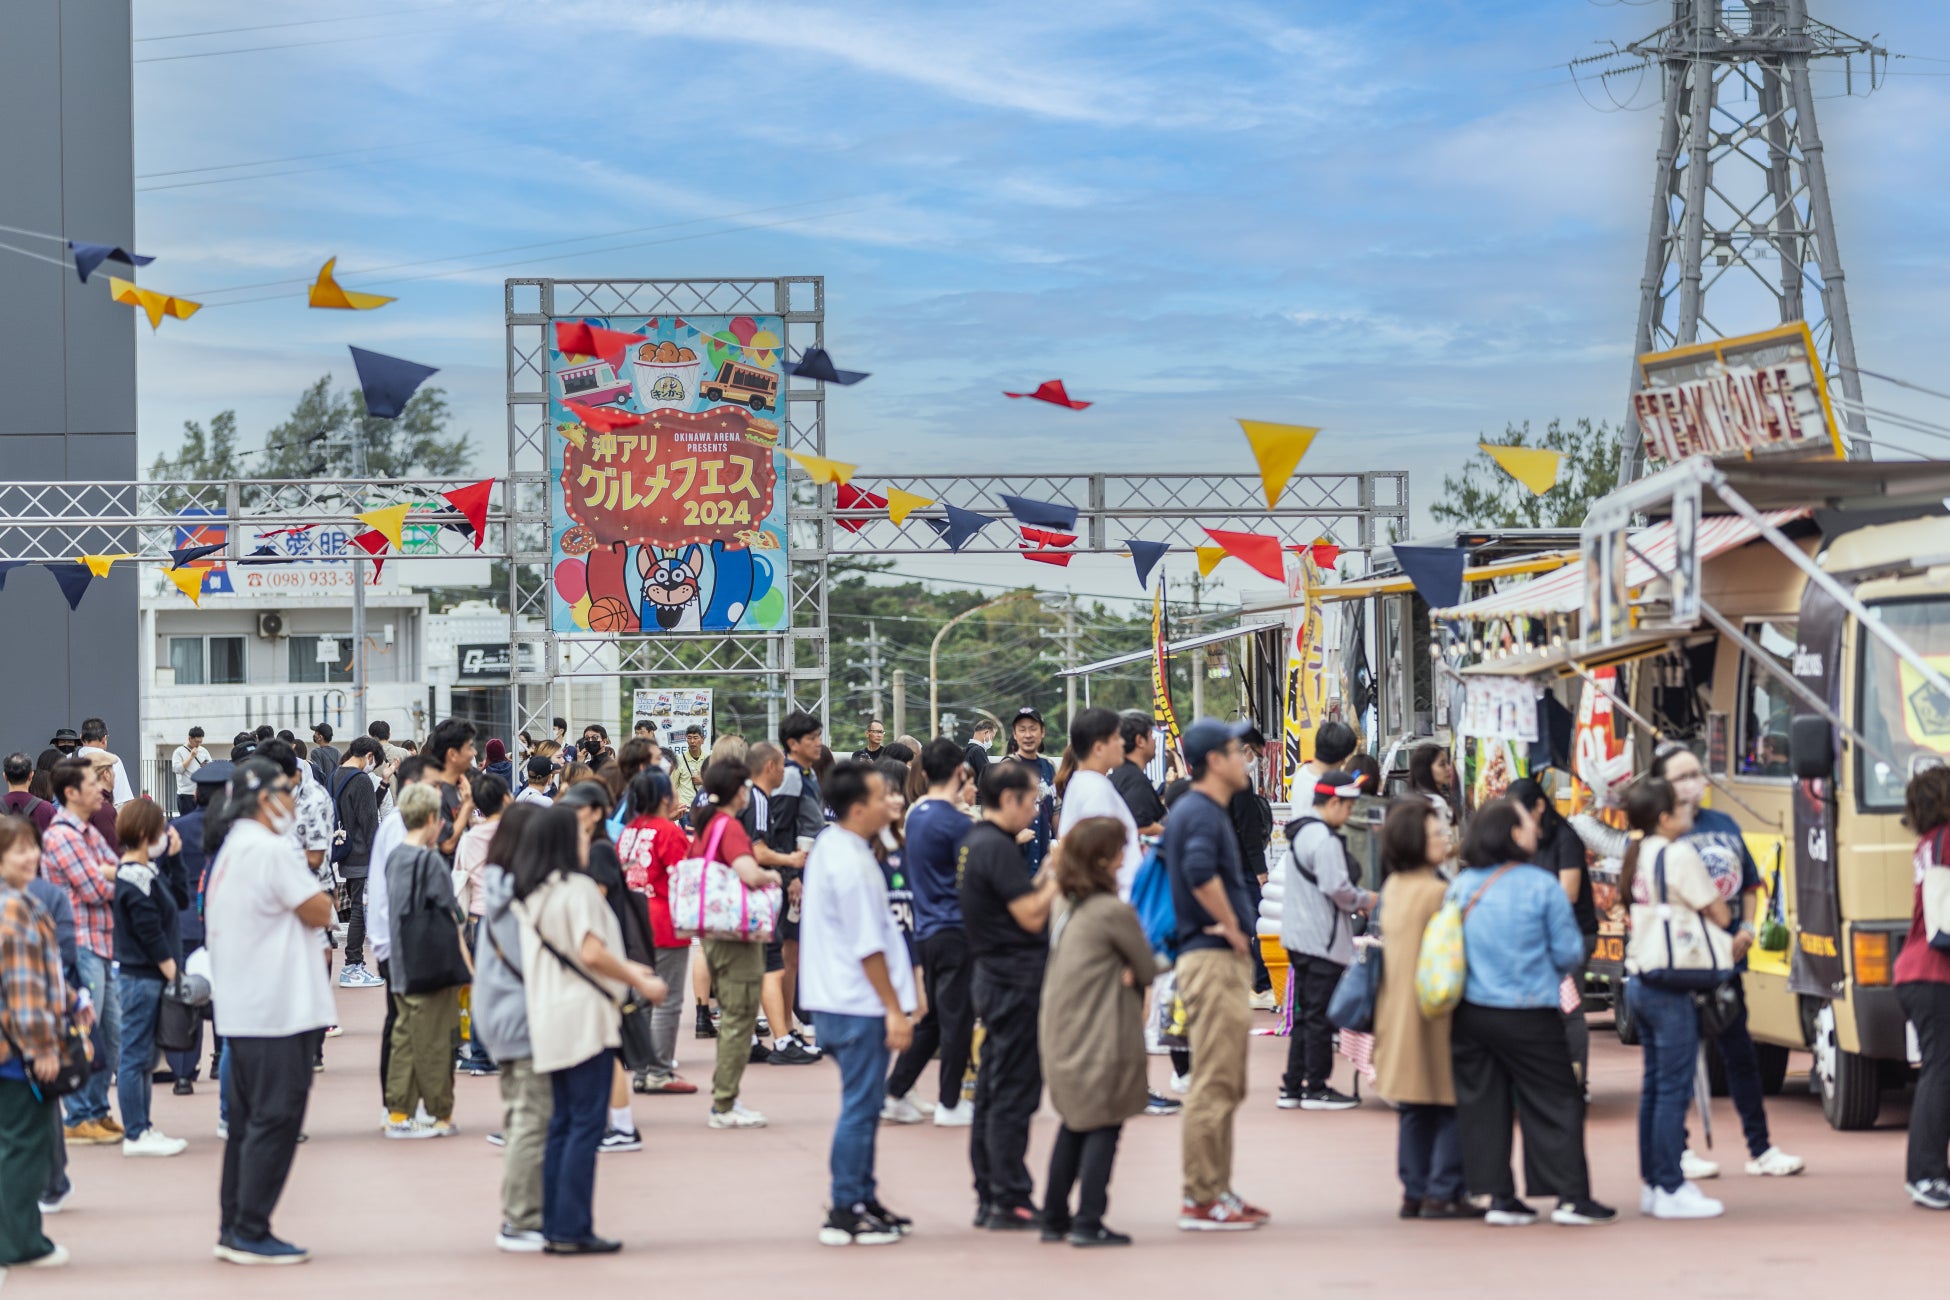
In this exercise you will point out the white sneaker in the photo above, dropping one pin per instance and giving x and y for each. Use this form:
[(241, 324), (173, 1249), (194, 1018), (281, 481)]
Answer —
[(223, 1130), (154, 1142), (1646, 1194), (739, 1116), (1697, 1169), (1689, 1202), (358, 977), (922, 1104), (1775, 1163), (56, 1258), (56, 1205), (900, 1110), (959, 1115), (519, 1241), (1181, 1084), (406, 1130), (1265, 1001)]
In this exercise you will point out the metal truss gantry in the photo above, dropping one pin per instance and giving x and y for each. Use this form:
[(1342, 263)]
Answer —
[(1740, 207)]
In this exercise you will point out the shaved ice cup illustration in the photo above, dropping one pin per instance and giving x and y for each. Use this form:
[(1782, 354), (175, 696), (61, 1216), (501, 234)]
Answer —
[(665, 379)]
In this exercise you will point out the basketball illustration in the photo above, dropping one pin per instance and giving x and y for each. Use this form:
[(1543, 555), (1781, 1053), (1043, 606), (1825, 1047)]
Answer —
[(609, 615)]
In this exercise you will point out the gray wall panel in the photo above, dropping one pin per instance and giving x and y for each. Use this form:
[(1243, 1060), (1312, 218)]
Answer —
[(96, 122), (30, 158)]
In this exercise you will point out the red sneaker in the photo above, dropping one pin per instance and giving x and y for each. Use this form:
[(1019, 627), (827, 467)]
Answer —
[(1246, 1209), (1222, 1214)]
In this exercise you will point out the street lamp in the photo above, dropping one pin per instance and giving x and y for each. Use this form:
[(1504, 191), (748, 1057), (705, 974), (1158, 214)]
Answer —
[(934, 656)]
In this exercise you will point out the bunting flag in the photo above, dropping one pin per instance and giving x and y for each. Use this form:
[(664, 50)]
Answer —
[(387, 523), (902, 504), (1325, 554), (154, 305), (7, 567), (822, 469), (1278, 449), (73, 578), (574, 338), (99, 565), (1059, 558), (472, 501), (189, 582), (853, 498), (1208, 559), (940, 526), (813, 363), (1436, 571), (1044, 537), (89, 256), (1042, 514), (1534, 467), (388, 382), (602, 419), (1257, 549), (962, 525), (1147, 555), (327, 293), (1162, 712), (1053, 392), (373, 544)]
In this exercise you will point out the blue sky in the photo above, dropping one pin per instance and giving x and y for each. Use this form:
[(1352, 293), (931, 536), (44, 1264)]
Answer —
[(1397, 221)]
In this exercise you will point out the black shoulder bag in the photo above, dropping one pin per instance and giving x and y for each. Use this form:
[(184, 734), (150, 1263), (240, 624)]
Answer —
[(639, 1050), (76, 1059)]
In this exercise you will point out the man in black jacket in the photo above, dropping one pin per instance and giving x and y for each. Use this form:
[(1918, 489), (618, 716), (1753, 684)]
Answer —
[(355, 802), (1252, 822)]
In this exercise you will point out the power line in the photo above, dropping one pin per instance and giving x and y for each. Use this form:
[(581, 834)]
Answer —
[(300, 171), (288, 45), (271, 162), (306, 22)]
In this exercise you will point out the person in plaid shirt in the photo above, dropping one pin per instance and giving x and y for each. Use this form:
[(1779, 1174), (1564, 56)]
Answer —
[(76, 857)]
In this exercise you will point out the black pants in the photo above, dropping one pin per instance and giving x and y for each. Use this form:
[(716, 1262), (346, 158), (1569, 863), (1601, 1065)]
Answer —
[(270, 1080), (184, 1064), (386, 1030), (949, 1025), (1507, 1061), (355, 920), (1262, 978), (1087, 1156), (1310, 1050), (1008, 1089), (1928, 1007)]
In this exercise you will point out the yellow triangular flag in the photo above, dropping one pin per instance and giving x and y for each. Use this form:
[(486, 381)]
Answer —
[(189, 582), (902, 504), (1534, 467), (822, 469), (387, 523), (154, 305), (99, 565), (1208, 559), (1278, 449), (327, 293)]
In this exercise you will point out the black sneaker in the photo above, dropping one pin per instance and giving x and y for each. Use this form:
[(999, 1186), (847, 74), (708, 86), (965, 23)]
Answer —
[(1509, 1212), (1016, 1218), (982, 1211), (1930, 1193), (857, 1227), (793, 1053), (591, 1245), (617, 1140), (705, 1029), (1159, 1104), (184, 1088), (1098, 1236), (898, 1222), (1583, 1214), (1290, 1100), (1326, 1099)]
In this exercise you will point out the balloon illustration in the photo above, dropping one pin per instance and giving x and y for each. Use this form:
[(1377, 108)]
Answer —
[(580, 613), (742, 329), (571, 581)]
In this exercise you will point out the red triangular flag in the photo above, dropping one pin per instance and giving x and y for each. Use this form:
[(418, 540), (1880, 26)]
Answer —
[(599, 419), (1256, 549), (1325, 553), (473, 503), (853, 498), (1053, 392), (579, 338), (1044, 537), (373, 543), (1059, 558)]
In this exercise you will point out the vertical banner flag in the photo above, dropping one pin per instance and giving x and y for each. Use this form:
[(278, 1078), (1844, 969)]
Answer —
[(1161, 711), (1306, 662), (1817, 968)]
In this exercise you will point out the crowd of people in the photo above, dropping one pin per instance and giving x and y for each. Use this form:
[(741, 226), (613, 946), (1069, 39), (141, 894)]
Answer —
[(1058, 919)]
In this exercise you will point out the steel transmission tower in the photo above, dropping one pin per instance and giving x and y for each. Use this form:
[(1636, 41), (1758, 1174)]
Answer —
[(1742, 227)]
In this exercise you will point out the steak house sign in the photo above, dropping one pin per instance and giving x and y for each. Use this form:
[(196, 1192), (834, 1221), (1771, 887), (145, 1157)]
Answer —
[(1760, 394)]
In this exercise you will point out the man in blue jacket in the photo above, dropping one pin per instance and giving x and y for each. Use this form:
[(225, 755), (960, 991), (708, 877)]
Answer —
[(184, 872)]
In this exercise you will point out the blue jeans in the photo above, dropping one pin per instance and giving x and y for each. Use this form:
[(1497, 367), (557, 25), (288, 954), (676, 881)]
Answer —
[(1669, 1041), (1428, 1154), (98, 977), (575, 1130), (859, 1045), (223, 1086), (141, 1006)]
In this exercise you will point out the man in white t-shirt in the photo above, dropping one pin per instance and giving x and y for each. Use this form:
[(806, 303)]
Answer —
[(856, 979), (184, 762), (94, 741), (1098, 746), (273, 1000)]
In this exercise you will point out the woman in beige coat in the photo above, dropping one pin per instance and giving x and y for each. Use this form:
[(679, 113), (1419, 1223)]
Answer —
[(1411, 1052), (1092, 1028)]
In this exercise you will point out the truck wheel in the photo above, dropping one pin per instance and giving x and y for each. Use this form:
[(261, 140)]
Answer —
[(714, 394), (1848, 1084), (758, 402), (1773, 1067)]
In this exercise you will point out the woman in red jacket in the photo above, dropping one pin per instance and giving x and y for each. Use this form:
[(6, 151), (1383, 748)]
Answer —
[(1923, 987), (650, 845)]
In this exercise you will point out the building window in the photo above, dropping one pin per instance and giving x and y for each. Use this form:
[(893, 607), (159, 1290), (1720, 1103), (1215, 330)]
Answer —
[(186, 657), (226, 661), (1766, 707), (306, 667)]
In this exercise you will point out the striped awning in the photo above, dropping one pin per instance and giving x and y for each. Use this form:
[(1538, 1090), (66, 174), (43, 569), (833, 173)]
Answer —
[(1562, 592)]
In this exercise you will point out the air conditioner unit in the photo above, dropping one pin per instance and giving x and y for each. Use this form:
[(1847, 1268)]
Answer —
[(270, 625)]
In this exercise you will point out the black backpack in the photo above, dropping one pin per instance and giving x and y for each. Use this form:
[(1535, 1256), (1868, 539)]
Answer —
[(341, 845)]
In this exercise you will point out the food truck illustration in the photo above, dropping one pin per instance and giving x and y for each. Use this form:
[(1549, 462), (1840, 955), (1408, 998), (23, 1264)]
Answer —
[(594, 383)]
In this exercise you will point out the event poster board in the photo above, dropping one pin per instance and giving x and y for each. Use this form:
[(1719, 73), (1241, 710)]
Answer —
[(670, 711), (676, 524)]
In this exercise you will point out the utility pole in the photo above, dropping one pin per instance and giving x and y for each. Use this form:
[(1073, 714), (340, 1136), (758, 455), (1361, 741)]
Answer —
[(934, 656), (873, 645), (1065, 605), (899, 720), (1742, 187), (355, 439)]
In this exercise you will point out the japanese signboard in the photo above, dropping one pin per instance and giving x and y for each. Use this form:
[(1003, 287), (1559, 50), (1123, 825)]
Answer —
[(667, 509), (315, 561), (1760, 394), (671, 713)]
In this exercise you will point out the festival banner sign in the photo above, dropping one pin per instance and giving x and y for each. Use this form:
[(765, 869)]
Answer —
[(1162, 713), (1759, 394), (667, 502), (1306, 662)]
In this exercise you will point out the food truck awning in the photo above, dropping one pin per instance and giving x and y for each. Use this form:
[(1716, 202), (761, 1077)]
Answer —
[(1561, 661), (1563, 591), (1171, 647), (1480, 573)]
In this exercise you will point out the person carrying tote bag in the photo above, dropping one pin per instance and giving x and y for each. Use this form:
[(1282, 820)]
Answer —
[(1678, 953), (429, 967)]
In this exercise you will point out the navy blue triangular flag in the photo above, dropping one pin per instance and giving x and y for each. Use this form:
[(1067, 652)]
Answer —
[(940, 526), (963, 525), (813, 363), (73, 577), (185, 554), (1147, 555), (89, 256), (388, 381), (7, 567), (1436, 571), (1041, 514)]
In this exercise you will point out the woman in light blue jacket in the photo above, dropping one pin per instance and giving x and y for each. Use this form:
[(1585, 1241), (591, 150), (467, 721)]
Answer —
[(1507, 1040)]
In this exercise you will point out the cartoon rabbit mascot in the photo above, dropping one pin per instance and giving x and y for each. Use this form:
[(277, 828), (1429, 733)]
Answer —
[(669, 600)]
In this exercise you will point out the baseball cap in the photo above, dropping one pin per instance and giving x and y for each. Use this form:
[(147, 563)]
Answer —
[(215, 773), (1028, 712), (1208, 734), (540, 765)]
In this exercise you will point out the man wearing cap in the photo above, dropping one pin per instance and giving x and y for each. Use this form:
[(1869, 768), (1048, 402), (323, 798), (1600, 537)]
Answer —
[(540, 771), (184, 762), (1028, 733), (1319, 898), (65, 742), (1215, 976)]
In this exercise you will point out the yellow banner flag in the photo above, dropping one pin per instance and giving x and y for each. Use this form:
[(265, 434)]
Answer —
[(902, 504), (189, 582), (154, 305), (1534, 467), (1278, 449), (1208, 559), (99, 565), (822, 469), (326, 292), (387, 523)]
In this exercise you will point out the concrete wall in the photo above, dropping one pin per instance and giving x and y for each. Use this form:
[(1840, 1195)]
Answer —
[(67, 353)]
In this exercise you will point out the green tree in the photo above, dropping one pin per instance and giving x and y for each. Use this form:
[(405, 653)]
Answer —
[(1486, 497), (314, 441)]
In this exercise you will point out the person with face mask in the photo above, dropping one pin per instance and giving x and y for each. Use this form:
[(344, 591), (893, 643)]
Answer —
[(977, 753)]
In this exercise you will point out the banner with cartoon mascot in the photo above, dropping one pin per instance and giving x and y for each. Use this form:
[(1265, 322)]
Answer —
[(668, 509)]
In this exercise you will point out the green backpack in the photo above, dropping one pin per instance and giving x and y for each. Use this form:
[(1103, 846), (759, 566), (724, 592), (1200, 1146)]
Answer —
[(1441, 968)]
